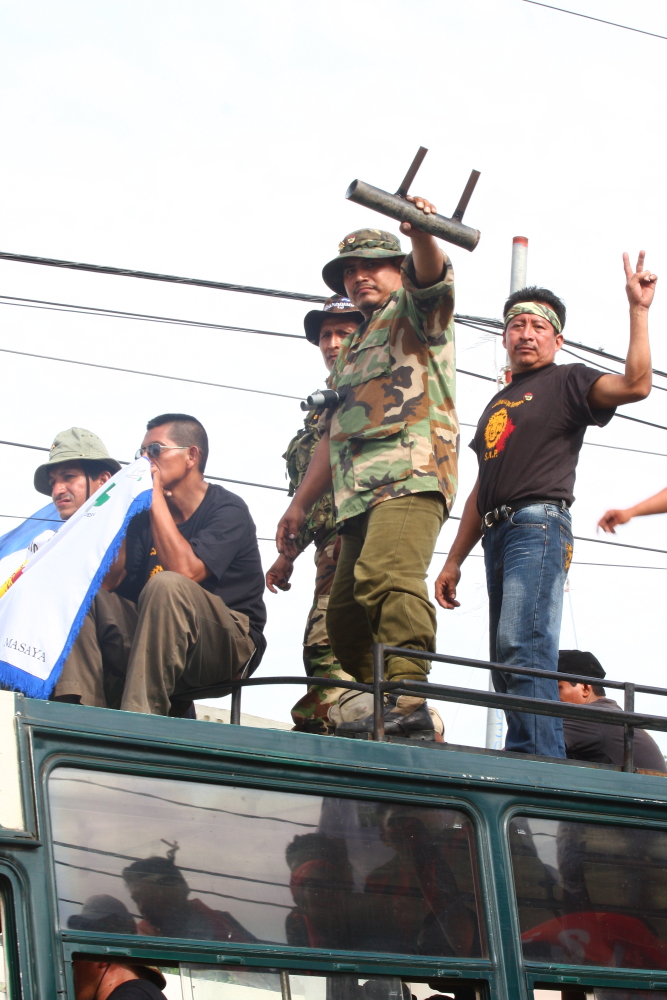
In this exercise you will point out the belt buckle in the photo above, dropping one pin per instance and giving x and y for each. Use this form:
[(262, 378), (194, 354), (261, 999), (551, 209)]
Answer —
[(488, 519)]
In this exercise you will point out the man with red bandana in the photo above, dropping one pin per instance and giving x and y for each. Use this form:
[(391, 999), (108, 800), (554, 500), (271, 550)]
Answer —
[(527, 445)]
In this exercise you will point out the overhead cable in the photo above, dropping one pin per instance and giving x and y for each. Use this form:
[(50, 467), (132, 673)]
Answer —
[(575, 562), (181, 378), (124, 272), (600, 20), (12, 300), (495, 328), (134, 371), (220, 479)]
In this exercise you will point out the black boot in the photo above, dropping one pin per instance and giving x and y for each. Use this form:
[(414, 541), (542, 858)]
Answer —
[(416, 725)]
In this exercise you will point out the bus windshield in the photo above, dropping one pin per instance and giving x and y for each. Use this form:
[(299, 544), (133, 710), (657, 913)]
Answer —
[(154, 856)]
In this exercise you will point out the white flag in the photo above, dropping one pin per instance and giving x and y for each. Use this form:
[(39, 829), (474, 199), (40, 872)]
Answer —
[(42, 611)]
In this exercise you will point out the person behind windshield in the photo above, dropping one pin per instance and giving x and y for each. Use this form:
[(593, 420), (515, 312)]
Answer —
[(326, 328), (160, 892), (598, 741), (102, 979), (527, 444), (192, 580)]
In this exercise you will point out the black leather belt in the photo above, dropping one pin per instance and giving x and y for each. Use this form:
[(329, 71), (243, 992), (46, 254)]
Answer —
[(504, 512)]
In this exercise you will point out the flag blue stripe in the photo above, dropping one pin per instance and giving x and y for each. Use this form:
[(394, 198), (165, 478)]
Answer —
[(13, 678), (21, 536)]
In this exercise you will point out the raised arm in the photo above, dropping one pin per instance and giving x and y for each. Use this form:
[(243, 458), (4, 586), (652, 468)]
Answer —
[(635, 383), (467, 536), (316, 482), (426, 254), (657, 504)]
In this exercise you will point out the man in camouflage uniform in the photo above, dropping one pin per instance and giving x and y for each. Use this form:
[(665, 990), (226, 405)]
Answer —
[(390, 451), (326, 328)]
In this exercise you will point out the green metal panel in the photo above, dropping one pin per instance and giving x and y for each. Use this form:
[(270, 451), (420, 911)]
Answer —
[(489, 788)]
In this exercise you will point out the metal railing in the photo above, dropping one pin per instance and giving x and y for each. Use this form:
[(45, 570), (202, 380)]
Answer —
[(627, 717)]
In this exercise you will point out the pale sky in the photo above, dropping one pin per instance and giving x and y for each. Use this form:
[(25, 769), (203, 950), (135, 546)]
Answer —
[(217, 140)]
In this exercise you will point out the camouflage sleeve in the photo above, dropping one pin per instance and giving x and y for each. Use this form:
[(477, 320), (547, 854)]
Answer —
[(431, 310)]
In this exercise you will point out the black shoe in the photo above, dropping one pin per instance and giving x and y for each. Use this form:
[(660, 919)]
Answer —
[(418, 725)]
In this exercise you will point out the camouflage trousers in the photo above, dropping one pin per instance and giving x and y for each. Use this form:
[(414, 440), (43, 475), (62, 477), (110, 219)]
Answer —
[(310, 714)]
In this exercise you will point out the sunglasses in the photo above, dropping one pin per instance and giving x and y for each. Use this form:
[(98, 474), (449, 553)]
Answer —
[(154, 450)]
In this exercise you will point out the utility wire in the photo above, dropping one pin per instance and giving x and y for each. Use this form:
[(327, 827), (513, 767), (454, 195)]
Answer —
[(600, 20), (151, 276), (575, 562), (11, 300), (496, 326), (181, 378), (221, 479), (134, 371)]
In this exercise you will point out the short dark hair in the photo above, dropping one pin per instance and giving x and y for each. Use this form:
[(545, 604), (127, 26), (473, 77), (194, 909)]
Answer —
[(598, 690), (535, 294), (184, 430), (89, 466)]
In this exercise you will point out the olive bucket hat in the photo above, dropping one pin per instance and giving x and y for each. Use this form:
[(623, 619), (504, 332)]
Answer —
[(74, 445), (361, 243), (337, 305)]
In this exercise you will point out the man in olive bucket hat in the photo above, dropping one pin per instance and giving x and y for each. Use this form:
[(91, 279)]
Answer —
[(326, 328), (78, 465), (390, 452)]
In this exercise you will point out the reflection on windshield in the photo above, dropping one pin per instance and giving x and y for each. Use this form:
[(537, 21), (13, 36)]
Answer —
[(137, 855), (591, 894)]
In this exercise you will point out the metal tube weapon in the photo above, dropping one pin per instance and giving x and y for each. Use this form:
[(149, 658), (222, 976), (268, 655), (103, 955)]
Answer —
[(396, 207)]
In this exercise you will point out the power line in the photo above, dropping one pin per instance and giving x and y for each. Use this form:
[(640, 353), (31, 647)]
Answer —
[(134, 371), (575, 562), (604, 368), (181, 378), (461, 319), (496, 328), (152, 276), (221, 479), (600, 20), (11, 300)]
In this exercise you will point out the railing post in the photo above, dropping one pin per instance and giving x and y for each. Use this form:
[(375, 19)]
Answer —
[(235, 713), (378, 699), (285, 988), (629, 731)]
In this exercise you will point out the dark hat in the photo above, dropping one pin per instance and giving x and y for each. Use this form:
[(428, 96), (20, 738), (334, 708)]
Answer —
[(337, 305), (103, 913), (74, 445), (361, 243), (576, 661), (159, 871)]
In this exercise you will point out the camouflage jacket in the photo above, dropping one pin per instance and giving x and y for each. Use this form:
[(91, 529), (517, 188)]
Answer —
[(395, 430), (320, 522)]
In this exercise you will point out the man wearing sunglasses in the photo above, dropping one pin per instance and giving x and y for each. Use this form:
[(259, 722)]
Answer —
[(191, 575)]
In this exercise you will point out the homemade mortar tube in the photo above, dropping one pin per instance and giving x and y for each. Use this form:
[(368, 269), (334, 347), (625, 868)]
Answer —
[(404, 211)]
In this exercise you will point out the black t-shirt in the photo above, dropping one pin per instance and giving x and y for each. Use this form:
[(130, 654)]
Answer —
[(604, 743), (137, 989), (223, 535), (529, 437)]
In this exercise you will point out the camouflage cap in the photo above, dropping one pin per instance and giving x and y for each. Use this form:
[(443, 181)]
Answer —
[(74, 445), (337, 305), (361, 243)]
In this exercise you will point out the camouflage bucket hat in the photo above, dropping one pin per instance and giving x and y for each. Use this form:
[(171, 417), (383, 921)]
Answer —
[(362, 243), (337, 305), (74, 445)]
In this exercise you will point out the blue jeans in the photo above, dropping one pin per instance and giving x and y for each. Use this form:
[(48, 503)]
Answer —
[(527, 558)]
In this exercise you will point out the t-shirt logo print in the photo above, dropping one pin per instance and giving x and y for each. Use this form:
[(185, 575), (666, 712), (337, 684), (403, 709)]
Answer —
[(498, 429)]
